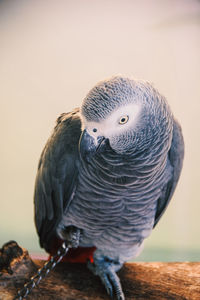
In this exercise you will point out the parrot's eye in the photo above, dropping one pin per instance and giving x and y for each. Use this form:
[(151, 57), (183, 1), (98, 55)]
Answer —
[(94, 130), (123, 120)]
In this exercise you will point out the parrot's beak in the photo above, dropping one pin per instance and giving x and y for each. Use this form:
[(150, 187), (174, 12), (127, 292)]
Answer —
[(89, 145)]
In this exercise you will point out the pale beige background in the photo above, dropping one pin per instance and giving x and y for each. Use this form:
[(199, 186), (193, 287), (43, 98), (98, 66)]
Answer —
[(53, 52)]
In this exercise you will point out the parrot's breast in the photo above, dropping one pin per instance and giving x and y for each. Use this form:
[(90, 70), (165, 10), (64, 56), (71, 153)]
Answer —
[(115, 201)]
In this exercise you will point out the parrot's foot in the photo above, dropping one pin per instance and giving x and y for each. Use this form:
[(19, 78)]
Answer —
[(71, 235), (106, 269), (8, 252)]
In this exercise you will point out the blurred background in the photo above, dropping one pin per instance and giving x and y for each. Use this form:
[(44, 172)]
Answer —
[(52, 53)]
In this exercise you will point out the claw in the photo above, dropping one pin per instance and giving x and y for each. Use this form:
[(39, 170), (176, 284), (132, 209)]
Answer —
[(70, 234), (107, 284), (106, 271), (117, 285)]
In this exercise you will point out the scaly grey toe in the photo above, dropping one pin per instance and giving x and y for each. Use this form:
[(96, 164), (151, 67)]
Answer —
[(106, 270)]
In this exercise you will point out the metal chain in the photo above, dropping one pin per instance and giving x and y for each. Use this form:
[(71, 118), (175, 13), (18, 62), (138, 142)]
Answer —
[(42, 272)]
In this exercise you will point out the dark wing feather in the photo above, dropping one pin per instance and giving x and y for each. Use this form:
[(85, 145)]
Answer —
[(175, 156), (56, 176)]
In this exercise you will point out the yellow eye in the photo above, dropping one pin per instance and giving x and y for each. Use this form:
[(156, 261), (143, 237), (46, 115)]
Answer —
[(123, 120)]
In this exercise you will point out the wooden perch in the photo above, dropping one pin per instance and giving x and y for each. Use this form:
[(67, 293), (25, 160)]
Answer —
[(180, 281)]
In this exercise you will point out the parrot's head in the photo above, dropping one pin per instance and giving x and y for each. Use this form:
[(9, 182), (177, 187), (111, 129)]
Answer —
[(122, 114)]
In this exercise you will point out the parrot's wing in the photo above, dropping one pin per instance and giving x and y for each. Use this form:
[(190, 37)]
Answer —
[(176, 154), (57, 175)]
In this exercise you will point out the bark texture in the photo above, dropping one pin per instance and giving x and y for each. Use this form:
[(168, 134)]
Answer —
[(74, 281)]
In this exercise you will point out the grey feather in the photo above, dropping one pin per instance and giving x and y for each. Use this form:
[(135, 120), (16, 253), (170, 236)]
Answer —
[(175, 158), (56, 176), (119, 195)]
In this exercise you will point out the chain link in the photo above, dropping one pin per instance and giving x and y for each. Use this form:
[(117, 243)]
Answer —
[(42, 272)]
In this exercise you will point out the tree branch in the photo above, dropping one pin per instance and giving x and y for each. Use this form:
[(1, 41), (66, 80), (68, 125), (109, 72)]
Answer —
[(156, 280)]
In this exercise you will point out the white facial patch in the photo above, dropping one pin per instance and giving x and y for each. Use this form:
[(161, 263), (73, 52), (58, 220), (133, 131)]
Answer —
[(121, 119)]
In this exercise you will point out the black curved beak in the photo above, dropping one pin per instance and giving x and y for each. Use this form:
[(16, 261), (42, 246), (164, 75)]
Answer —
[(88, 146)]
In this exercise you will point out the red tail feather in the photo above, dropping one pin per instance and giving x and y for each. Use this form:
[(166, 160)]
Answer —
[(77, 255)]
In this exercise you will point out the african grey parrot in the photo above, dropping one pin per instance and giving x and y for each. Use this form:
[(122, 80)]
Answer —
[(107, 174)]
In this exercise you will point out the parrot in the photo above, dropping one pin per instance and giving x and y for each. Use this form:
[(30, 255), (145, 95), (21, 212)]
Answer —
[(107, 174)]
